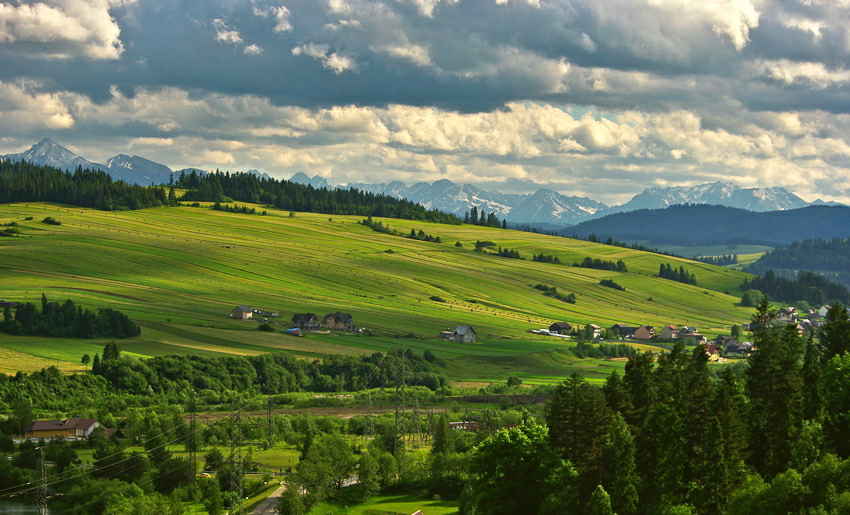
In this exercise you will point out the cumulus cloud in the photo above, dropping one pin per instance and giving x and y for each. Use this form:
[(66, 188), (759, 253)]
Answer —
[(330, 60), (223, 33), (253, 50), (61, 28), (279, 13)]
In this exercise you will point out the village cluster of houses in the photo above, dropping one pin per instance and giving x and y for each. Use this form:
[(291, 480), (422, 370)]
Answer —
[(300, 321), (669, 333)]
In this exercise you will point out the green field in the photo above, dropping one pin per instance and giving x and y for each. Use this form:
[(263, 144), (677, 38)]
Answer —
[(180, 271)]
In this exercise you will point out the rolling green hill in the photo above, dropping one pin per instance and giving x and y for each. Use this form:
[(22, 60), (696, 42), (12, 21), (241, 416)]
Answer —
[(179, 271)]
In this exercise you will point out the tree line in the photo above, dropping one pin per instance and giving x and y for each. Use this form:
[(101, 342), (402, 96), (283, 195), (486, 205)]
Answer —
[(483, 219), (23, 182), (666, 271), (599, 264), (810, 287), (247, 187), (67, 320)]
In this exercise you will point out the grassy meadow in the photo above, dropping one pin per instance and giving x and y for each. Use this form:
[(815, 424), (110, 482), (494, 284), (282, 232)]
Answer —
[(179, 271)]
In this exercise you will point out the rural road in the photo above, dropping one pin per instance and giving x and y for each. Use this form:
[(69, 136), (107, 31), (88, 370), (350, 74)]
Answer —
[(267, 507)]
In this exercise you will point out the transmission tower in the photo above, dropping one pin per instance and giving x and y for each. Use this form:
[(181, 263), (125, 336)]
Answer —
[(417, 424), (237, 506), (399, 399), (270, 428), (370, 422), (41, 493), (192, 440)]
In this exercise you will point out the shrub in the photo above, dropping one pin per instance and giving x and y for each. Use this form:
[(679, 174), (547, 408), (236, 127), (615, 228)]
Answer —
[(51, 221), (611, 284)]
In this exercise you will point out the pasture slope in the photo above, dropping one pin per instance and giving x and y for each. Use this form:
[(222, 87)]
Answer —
[(179, 271)]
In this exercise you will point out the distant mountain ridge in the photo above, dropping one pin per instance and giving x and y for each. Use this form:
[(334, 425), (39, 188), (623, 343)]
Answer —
[(699, 224), (130, 169), (544, 207)]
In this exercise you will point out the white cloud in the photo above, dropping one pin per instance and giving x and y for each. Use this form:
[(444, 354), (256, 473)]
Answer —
[(253, 50), (416, 54), (218, 157), (62, 29), (223, 33), (23, 105), (280, 13), (330, 60), (148, 142), (732, 19), (813, 75)]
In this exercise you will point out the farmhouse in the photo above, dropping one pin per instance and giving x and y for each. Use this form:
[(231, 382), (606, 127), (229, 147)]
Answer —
[(446, 335), (692, 338), (561, 328), (595, 329), (72, 428), (464, 334), (305, 321), (669, 332), (644, 332), (623, 330), (242, 312), (341, 321)]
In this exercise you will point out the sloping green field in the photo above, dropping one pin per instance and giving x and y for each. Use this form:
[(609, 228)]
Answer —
[(180, 271)]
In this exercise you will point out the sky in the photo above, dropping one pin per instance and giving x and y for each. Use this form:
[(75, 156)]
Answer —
[(586, 97)]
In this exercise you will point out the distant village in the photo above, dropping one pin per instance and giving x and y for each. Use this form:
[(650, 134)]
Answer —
[(723, 345)]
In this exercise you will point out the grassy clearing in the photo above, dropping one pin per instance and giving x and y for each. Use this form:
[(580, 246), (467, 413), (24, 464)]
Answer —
[(389, 505), (179, 272)]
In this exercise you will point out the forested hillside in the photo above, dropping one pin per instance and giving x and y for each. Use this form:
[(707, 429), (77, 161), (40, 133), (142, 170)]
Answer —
[(698, 224), (830, 258), (22, 182)]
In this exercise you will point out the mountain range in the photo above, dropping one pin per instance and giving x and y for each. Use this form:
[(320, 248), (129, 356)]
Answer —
[(544, 207)]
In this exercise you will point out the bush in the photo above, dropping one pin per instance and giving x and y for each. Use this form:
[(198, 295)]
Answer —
[(435, 298), (51, 221), (265, 328)]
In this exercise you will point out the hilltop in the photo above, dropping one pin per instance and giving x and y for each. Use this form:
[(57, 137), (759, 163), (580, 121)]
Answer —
[(179, 271)]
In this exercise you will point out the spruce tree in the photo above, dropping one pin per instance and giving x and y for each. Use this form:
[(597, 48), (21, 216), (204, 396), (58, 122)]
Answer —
[(812, 372), (774, 387), (599, 503), (835, 333), (620, 469), (617, 394)]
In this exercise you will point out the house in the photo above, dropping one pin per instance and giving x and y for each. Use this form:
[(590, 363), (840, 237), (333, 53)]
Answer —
[(788, 314), (71, 428), (597, 331), (561, 328), (623, 331), (722, 340), (8, 304), (305, 321), (644, 332), (735, 348), (446, 335), (242, 313), (692, 338), (464, 334), (669, 332), (340, 321), (822, 312)]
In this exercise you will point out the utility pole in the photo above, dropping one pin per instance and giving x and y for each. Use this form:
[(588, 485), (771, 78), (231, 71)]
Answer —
[(41, 493), (237, 506), (399, 400)]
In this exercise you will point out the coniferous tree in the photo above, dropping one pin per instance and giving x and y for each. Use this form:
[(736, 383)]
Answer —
[(835, 333), (730, 410), (616, 394), (812, 386), (774, 387), (443, 438), (620, 469), (640, 381)]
